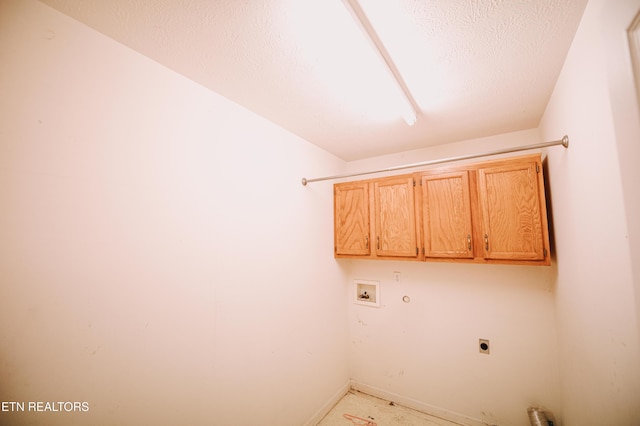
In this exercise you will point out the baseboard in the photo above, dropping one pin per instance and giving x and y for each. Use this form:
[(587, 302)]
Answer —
[(319, 415), (417, 405)]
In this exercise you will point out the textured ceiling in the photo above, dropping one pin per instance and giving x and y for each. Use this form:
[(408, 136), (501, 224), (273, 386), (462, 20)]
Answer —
[(474, 67)]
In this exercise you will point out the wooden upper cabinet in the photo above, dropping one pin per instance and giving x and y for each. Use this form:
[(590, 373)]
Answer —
[(351, 219), (446, 215), (395, 217), (489, 212), (514, 223)]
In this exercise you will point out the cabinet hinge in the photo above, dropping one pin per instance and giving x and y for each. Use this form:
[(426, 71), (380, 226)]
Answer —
[(544, 252), (417, 251), (537, 168), (414, 182)]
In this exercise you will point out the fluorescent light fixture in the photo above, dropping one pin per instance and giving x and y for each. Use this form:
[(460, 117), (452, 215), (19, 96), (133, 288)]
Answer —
[(409, 109)]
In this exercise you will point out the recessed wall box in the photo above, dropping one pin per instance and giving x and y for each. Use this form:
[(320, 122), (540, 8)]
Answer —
[(367, 293)]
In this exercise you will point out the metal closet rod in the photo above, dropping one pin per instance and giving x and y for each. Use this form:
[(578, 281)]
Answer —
[(564, 142)]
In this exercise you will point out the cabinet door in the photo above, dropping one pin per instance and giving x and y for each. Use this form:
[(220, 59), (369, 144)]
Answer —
[(446, 215), (511, 212), (351, 218), (395, 216)]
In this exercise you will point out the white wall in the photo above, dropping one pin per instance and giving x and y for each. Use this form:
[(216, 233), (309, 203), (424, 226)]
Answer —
[(157, 253), (594, 193), (425, 353), (159, 258)]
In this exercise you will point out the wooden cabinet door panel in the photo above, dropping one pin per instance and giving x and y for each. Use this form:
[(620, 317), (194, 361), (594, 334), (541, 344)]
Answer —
[(395, 217), (511, 213), (446, 213), (351, 218)]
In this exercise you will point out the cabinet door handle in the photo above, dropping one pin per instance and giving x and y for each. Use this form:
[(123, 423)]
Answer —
[(486, 242), (469, 241), (366, 242), (378, 243)]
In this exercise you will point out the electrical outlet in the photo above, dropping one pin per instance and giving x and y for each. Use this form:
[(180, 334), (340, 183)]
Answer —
[(483, 346), (396, 277)]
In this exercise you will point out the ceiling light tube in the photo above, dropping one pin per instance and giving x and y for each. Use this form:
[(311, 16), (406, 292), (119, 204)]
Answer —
[(410, 111)]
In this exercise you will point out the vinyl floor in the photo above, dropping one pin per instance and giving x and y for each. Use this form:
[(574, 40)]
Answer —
[(360, 409)]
